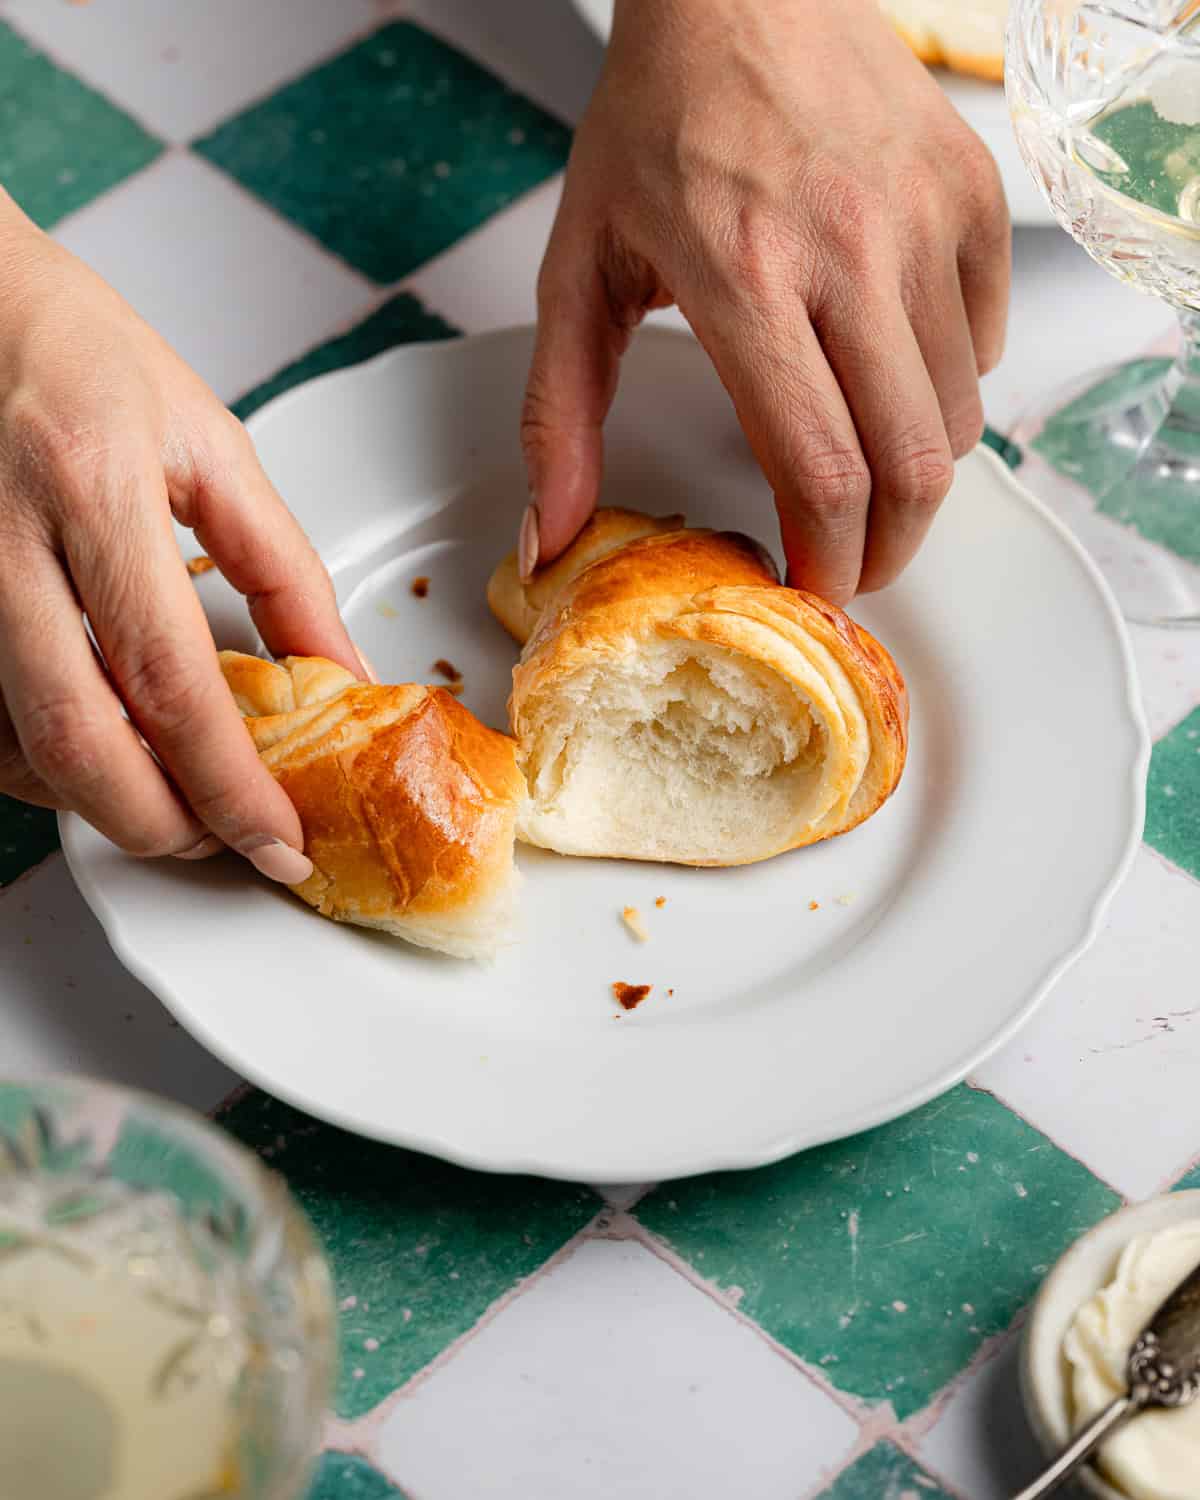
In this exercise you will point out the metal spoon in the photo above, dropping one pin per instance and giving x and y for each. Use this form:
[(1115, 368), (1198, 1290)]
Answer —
[(1163, 1370)]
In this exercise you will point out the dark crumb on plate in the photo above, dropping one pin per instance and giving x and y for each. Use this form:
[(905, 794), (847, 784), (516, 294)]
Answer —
[(670, 992), (198, 565), (420, 587), (660, 901), (629, 996), (447, 669)]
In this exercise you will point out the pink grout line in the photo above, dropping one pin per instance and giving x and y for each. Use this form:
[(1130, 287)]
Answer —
[(625, 1227), (980, 1088), (362, 1431)]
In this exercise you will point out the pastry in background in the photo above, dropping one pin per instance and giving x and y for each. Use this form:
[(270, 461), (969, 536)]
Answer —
[(966, 35), (675, 702), (407, 801)]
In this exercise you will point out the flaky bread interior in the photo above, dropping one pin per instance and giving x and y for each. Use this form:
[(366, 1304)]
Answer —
[(408, 803), (965, 35), (674, 702)]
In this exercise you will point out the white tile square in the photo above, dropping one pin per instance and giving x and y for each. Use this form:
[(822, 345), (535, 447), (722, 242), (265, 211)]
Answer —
[(1066, 317), (1119, 1036), (230, 285), (181, 66), (981, 1442), (541, 48), (613, 1375), (67, 1005), (1168, 663), (489, 279)]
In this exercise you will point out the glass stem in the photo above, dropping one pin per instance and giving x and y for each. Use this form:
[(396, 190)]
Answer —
[(1188, 363)]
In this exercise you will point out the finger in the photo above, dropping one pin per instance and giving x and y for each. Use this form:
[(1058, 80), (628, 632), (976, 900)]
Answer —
[(16, 778), (260, 547), (870, 345), (939, 321), (155, 640), (571, 385), (71, 734), (802, 434), (985, 269)]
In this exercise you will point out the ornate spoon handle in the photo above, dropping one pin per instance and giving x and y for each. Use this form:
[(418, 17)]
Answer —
[(1082, 1448)]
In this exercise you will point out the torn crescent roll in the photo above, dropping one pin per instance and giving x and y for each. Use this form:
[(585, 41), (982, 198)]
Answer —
[(674, 702), (966, 35), (407, 801)]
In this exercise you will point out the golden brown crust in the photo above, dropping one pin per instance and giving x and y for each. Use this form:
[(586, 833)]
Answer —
[(408, 802), (518, 605), (716, 587)]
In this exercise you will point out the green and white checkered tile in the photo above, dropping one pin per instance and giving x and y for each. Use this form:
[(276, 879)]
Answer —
[(847, 1317)]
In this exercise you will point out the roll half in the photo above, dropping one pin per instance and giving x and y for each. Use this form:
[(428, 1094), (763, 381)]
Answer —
[(675, 702)]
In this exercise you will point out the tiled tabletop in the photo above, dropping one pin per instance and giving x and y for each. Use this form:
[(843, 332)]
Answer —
[(288, 186)]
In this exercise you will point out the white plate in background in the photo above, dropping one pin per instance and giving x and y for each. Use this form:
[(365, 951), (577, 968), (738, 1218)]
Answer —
[(981, 104), (968, 894)]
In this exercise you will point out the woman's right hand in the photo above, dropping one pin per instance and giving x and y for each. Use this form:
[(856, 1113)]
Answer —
[(105, 434)]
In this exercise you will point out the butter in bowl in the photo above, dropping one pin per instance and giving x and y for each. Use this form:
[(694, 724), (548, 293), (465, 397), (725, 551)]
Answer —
[(1086, 1319)]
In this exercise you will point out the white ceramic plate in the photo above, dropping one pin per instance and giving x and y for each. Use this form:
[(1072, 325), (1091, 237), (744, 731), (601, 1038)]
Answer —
[(981, 104), (971, 891)]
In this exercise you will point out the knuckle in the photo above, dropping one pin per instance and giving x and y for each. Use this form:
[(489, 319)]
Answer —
[(836, 476), (761, 251), (849, 213), (164, 697), (69, 457), (60, 745), (919, 471)]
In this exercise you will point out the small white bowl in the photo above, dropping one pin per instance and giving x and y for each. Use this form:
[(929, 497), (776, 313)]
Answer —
[(1089, 1265)]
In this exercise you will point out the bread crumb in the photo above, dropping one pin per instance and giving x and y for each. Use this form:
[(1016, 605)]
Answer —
[(814, 906), (670, 992), (386, 610), (846, 900), (629, 996), (447, 669), (633, 920), (420, 587), (198, 565), (660, 901)]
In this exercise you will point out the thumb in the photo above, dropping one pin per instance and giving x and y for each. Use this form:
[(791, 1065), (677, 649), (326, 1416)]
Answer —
[(571, 385)]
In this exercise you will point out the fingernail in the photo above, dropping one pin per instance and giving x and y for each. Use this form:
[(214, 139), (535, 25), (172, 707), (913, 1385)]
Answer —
[(369, 671), (207, 847), (278, 861), (527, 544)]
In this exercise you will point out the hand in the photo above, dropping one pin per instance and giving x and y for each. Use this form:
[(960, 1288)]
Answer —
[(790, 176), (104, 435)]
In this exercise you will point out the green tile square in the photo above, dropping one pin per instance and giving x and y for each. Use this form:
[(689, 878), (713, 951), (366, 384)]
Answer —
[(392, 151), (401, 320), (884, 1474), (341, 1476), (1173, 795), (1067, 443), (419, 1249), (27, 836), (886, 1260), (61, 143)]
